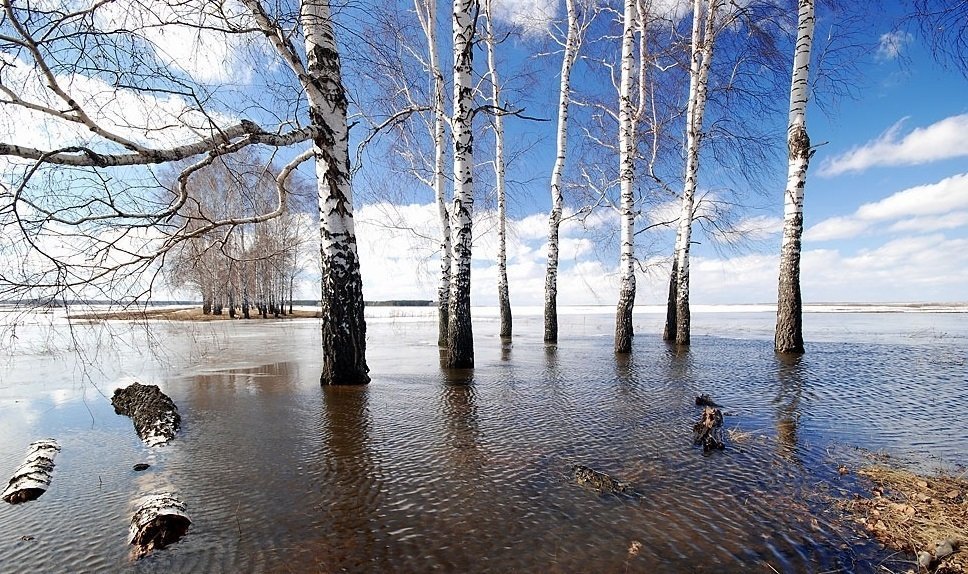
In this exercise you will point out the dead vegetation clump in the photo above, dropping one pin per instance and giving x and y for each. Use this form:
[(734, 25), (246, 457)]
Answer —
[(925, 516)]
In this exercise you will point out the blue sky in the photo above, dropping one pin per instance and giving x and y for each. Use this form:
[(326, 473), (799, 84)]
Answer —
[(886, 214)]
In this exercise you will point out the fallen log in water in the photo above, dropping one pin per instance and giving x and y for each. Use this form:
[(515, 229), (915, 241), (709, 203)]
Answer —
[(32, 478), (154, 415), (709, 430), (161, 519), (599, 481)]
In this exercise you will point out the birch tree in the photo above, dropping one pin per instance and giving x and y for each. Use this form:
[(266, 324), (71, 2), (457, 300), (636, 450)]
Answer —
[(571, 47), (789, 311), (427, 13), (68, 59), (460, 337), (703, 38), (503, 297), (626, 137)]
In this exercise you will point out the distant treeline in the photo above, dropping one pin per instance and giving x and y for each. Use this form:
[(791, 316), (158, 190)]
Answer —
[(302, 303)]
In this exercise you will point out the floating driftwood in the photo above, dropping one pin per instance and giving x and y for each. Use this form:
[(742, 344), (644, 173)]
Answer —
[(32, 478), (599, 481), (161, 519), (709, 430), (155, 416)]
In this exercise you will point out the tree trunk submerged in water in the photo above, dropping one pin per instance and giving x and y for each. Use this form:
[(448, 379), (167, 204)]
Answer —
[(344, 328), (557, 198), (626, 299), (669, 331), (703, 38), (503, 296), (789, 305), (460, 337), (427, 14)]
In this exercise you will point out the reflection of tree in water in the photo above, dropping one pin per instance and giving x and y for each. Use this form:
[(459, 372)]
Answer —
[(462, 426), (351, 482), (788, 402), (506, 347)]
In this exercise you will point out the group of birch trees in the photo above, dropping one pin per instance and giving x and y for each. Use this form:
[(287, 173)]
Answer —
[(250, 269), (647, 79), (102, 100)]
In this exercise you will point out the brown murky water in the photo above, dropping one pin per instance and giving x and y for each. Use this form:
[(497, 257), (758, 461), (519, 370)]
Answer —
[(469, 471)]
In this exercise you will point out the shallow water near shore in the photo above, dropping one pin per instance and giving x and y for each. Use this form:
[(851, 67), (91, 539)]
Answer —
[(470, 471)]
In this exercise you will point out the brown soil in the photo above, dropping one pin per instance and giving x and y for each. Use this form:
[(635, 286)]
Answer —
[(183, 314), (917, 514)]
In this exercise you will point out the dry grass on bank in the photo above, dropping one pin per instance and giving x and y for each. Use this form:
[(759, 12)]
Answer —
[(183, 314), (924, 516)]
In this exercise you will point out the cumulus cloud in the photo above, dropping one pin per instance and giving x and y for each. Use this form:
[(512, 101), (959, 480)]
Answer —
[(532, 16), (944, 203), (945, 139), (892, 44)]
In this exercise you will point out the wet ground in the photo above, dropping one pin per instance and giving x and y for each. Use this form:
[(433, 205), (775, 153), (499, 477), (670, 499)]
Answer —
[(470, 471)]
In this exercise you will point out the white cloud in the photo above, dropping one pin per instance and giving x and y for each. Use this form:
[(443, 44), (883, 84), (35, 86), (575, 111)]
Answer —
[(194, 45), (836, 228), (933, 223), (398, 265), (945, 139), (892, 44), (532, 16), (915, 208)]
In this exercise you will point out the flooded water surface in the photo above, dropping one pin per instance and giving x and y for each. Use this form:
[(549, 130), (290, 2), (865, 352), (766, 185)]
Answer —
[(426, 469)]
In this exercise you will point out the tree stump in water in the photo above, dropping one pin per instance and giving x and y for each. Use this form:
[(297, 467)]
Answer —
[(709, 430), (161, 519), (32, 478), (154, 415), (599, 481), (705, 400)]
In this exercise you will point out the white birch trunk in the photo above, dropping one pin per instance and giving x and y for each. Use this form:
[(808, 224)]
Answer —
[(427, 11), (344, 329), (503, 297), (703, 37), (460, 337), (789, 318), (33, 476), (557, 198), (626, 297)]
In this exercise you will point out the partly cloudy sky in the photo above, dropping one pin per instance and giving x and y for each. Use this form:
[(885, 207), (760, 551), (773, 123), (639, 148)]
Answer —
[(886, 214)]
